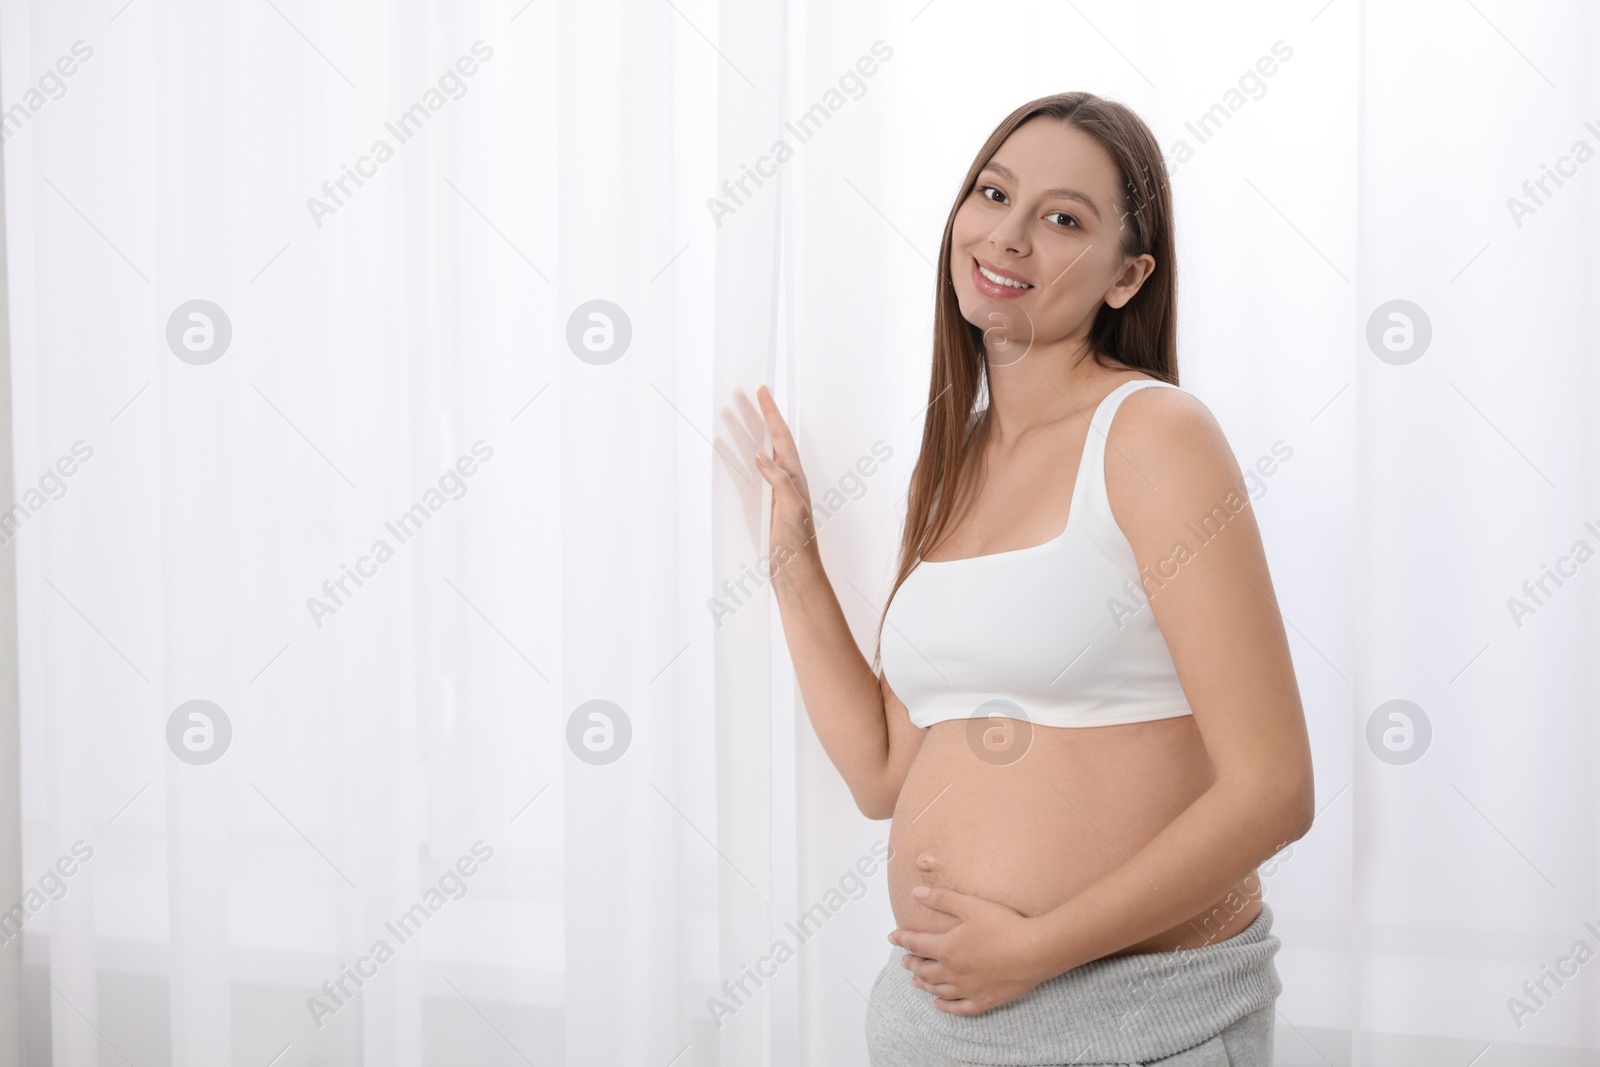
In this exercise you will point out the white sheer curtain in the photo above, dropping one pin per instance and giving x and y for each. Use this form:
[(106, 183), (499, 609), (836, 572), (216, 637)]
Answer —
[(501, 346)]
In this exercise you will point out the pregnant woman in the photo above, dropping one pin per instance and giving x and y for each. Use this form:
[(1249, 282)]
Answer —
[(1086, 728)]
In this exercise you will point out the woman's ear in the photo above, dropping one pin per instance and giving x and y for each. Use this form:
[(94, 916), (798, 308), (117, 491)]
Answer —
[(1133, 276)]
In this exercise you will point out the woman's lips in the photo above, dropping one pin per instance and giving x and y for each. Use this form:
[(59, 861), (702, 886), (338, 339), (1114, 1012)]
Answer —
[(994, 289)]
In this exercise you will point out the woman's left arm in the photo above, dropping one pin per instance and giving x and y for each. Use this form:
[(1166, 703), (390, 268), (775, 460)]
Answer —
[(1180, 497)]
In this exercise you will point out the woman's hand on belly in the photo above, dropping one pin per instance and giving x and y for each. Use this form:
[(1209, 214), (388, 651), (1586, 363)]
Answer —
[(986, 959)]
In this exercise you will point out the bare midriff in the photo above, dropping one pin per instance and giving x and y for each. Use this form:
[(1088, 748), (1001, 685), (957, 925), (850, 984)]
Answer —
[(1031, 832)]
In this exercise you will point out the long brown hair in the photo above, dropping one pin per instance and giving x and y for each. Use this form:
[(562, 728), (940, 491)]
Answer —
[(1142, 334)]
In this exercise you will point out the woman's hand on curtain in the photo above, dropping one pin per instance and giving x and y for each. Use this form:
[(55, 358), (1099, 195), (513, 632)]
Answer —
[(793, 534), (738, 450), (983, 961)]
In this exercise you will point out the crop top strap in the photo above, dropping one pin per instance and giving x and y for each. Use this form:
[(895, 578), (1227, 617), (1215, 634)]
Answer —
[(1089, 491)]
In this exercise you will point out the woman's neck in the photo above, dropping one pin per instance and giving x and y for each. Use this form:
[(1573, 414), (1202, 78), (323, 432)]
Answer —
[(1049, 384)]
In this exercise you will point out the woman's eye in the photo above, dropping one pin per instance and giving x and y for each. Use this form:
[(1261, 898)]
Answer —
[(1000, 198)]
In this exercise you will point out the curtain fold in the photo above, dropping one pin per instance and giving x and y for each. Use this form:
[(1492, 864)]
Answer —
[(744, 213), (1473, 818), (11, 987)]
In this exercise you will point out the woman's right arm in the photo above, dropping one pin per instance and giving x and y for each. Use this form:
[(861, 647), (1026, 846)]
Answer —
[(864, 728)]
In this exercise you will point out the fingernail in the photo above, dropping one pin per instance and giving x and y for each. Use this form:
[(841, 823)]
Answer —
[(920, 891)]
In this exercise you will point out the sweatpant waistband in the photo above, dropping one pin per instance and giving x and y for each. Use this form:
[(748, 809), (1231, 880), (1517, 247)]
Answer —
[(1118, 1009)]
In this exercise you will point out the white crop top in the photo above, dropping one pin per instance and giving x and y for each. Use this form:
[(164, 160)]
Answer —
[(1061, 632)]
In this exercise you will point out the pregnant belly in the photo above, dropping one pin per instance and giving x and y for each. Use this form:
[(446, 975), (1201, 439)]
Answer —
[(1029, 815)]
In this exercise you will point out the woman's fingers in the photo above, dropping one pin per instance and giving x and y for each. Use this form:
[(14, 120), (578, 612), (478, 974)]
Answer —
[(770, 469), (741, 463), (753, 425), (775, 475), (782, 440), (783, 488), (937, 984), (958, 1007), (938, 989), (928, 970), (744, 433)]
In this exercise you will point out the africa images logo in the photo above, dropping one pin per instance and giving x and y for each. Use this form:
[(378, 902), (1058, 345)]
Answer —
[(452, 85), (451, 885)]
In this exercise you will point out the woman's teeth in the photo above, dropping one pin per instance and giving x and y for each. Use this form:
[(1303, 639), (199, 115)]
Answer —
[(993, 277)]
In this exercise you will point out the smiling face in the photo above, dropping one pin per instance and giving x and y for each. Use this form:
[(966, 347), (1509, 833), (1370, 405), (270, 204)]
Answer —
[(1042, 233)]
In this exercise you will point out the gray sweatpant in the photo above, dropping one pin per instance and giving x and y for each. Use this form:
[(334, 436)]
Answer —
[(1207, 1007)]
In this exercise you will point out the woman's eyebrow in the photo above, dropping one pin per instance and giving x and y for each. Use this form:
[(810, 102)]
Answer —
[(1065, 194)]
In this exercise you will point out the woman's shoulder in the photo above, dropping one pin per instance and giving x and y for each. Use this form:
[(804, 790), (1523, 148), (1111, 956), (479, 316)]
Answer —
[(1168, 428)]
